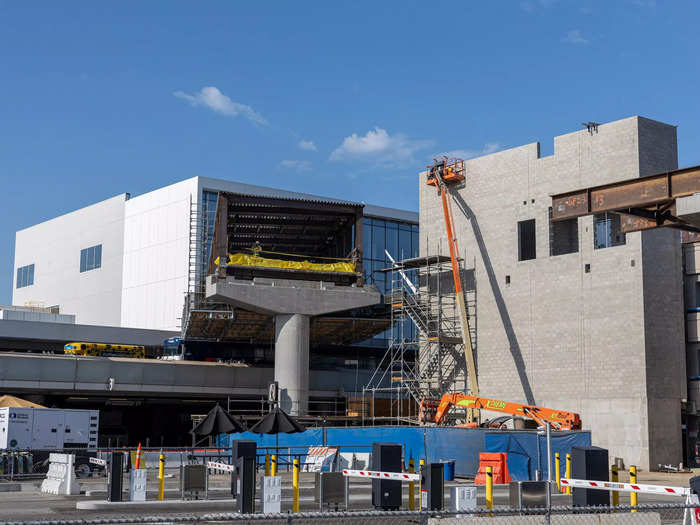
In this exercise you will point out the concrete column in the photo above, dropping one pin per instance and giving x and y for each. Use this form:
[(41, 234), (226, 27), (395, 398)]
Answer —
[(292, 362)]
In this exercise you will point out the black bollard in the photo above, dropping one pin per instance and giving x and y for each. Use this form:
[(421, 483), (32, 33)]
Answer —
[(114, 489)]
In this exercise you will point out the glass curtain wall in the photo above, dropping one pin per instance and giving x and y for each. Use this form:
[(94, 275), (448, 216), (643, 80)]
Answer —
[(400, 239)]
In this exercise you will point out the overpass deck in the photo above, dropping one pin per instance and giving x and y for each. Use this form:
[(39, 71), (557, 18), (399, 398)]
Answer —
[(114, 376)]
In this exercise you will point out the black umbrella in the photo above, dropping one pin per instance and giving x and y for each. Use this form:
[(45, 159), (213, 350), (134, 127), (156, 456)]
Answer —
[(277, 422), (217, 422)]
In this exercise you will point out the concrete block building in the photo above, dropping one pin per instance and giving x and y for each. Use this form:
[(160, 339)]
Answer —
[(575, 314)]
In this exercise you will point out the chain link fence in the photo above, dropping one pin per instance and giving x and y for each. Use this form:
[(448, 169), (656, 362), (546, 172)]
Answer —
[(641, 515)]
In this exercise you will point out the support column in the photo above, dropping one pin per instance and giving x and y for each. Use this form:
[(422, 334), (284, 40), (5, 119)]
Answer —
[(292, 362)]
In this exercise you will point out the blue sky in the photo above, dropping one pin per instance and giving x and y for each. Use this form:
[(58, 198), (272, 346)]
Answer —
[(345, 99)]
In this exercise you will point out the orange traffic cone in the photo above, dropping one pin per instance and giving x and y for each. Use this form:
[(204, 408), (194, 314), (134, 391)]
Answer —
[(137, 465)]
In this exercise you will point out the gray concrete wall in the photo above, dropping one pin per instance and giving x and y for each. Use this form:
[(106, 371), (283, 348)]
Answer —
[(31, 373), (557, 335)]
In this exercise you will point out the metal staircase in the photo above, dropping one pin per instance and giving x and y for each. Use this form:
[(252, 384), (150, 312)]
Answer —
[(425, 358)]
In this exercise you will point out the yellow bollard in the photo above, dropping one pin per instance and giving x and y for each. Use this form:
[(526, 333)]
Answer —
[(273, 465), (161, 476), (411, 486), (568, 471), (489, 487), (295, 486), (421, 464), (633, 480), (267, 464), (557, 470), (615, 478)]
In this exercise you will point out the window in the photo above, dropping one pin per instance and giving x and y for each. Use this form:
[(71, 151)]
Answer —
[(526, 240), (91, 258), (607, 231), (563, 236), (25, 276)]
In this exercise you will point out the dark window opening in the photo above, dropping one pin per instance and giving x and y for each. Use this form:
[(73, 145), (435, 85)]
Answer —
[(526, 240), (507, 279), (607, 231), (587, 268), (563, 236)]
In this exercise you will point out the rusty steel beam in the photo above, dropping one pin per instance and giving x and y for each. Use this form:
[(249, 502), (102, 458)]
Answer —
[(642, 192)]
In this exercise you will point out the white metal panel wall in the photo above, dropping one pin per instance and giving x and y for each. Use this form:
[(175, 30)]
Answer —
[(54, 249), (156, 250)]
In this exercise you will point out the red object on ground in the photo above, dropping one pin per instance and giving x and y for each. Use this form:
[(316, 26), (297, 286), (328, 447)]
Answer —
[(496, 460), (137, 465)]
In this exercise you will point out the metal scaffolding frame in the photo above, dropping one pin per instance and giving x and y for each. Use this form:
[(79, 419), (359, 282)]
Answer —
[(201, 235), (425, 358)]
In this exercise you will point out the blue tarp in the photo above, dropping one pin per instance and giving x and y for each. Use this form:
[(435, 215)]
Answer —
[(527, 451), (429, 443)]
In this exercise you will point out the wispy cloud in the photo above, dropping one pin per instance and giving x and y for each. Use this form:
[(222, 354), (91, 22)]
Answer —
[(575, 37), (489, 147), (307, 145), (211, 98), (378, 146), (297, 165)]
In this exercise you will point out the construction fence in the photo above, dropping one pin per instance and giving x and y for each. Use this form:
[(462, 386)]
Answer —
[(642, 515)]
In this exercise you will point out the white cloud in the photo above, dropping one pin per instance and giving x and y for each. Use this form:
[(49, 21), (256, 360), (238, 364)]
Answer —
[(307, 145), (379, 146), (574, 37), (298, 165), (210, 97), (489, 147)]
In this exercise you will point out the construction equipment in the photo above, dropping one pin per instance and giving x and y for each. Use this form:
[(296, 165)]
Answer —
[(559, 419), (442, 172)]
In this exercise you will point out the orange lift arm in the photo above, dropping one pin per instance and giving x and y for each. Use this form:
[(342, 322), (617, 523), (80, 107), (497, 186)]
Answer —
[(559, 419), (442, 172)]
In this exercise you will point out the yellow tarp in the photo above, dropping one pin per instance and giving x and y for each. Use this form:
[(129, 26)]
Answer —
[(242, 259)]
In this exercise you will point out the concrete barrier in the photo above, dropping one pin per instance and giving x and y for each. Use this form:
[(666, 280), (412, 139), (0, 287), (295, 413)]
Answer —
[(60, 479)]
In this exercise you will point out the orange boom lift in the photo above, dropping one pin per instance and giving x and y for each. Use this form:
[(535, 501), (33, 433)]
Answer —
[(442, 172), (559, 419)]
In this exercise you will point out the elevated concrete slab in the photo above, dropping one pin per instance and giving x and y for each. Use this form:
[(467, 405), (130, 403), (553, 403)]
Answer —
[(293, 303), (277, 296)]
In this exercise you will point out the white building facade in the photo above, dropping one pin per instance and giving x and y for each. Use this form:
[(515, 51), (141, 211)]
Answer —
[(127, 261)]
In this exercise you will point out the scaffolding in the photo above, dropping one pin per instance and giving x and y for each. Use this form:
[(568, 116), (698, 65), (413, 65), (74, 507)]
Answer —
[(201, 235), (425, 358)]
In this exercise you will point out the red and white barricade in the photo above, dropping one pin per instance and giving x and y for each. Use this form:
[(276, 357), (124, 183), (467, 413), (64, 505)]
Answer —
[(397, 476), (318, 457), (219, 468), (689, 518)]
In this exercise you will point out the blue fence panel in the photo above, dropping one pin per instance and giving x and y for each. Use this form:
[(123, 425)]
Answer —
[(527, 451)]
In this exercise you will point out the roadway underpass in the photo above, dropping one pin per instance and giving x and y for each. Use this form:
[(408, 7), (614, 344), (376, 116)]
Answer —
[(152, 400)]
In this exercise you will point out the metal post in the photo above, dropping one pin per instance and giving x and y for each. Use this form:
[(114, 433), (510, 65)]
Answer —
[(273, 465), (421, 464), (633, 480), (295, 486), (411, 486), (489, 487), (161, 476), (548, 430), (568, 471), (557, 471), (267, 464), (615, 494)]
